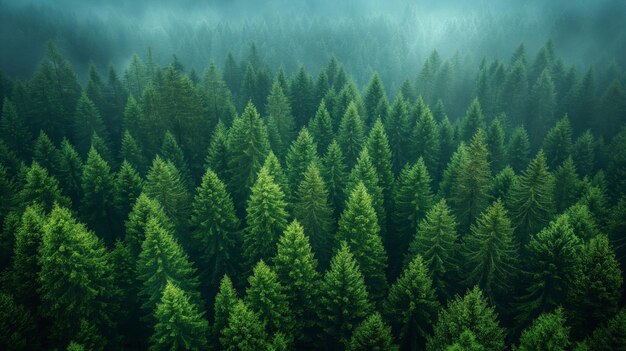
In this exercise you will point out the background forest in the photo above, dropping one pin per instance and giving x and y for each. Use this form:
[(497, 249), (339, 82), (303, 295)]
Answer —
[(359, 180)]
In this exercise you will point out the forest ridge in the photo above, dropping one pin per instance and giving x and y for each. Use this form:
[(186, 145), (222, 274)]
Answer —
[(479, 206)]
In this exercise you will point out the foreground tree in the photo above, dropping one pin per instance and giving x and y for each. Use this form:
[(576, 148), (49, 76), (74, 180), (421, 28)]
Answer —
[(547, 333), (372, 334), (225, 301), (244, 331), (97, 205)]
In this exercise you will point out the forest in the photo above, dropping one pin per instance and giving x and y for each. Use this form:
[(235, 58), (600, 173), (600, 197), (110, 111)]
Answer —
[(187, 195)]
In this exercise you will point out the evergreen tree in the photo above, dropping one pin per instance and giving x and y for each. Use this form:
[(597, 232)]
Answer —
[(244, 331), (321, 127), (128, 186), (542, 106), (566, 185), (97, 205), (217, 155), (300, 155), (17, 325), (144, 209), (582, 221), (471, 191), (372, 334), (502, 184), (351, 134), (248, 146), (225, 301), (296, 270), (343, 299), (313, 211), (76, 278), (412, 305), (45, 153), (473, 121), (301, 97), (87, 121), (558, 143), (171, 152), (333, 171), (518, 151), (365, 172), (374, 93), (279, 110), (513, 94), (435, 241), (266, 297), (547, 333), (583, 153), (162, 260), (426, 140), (215, 233), (266, 219), (491, 253), (608, 337), (70, 171), (164, 185), (468, 313), (217, 98), (379, 151), (39, 187), (180, 325), (398, 129), (532, 199), (448, 180), (273, 167), (447, 144), (13, 130), (495, 145), (358, 226), (131, 152)]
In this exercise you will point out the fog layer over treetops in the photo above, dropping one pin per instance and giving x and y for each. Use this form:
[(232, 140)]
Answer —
[(393, 37)]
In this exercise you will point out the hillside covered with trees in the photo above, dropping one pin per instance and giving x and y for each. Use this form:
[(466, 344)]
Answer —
[(479, 204)]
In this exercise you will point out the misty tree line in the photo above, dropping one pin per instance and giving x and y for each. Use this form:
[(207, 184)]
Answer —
[(245, 209)]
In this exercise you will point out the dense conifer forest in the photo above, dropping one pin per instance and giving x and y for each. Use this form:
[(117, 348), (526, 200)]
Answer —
[(271, 200)]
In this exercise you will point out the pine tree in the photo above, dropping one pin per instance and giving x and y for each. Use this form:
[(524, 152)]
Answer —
[(491, 253), (217, 97), (495, 145), (70, 171), (358, 226), (365, 172), (273, 167), (398, 129), (225, 301), (164, 185), (248, 146), (372, 334), (566, 185), (473, 121), (296, 270), (413, 198), (547, 333), (518, 150), (468, 313), (17, 325), (144, 209), (45, 153), (171, 152), (161, 260), (379, 151), (97, 205), (541, 110), (128, 187), (244, 331), (513, 94), (313, 211), (596, 286), (76, 278), (502, 184), (266, 219), (412, 305), (87, 121), (13, 130), (583, 153), (453, 168), (301, 97), (351, 134), (343, 299), (558, 143), (552, 259), (610, 336), (321, 128), (179, 325), (215, 233), (103, 149), (583, 223), (333, 170), (279, 110), (435, 241), (300, 155), (39, 187), (374, 93), (426, 140), (131, 152), (471, 191), (532, 199), (266, 297)]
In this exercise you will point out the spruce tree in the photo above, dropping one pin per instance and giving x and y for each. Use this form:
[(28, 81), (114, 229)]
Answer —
[(343, 299), (131, 152), (372, 334), (518, 150), (39, 187), (333, 171), (13, 130), (608, 337), (584, 153), (217, 98), (495, 145), (547, 333), (97, 205), (380, 153), (45, 153), (87, 121), (321, 128), (301, 97), (566, 185), (163, 184), (502, 184), (351, 134), (558, 143), (128, 186), (453, 168), (244, 331), (436, 242), (171, 152), (217, 155), (468, 313), (215, 233), (295, 267), (279, 110), (266, 297), (70, 171), (358, 226), (313, 211), (398, 130), (490, 252), (426, 140), (374, 93), (136, 224), (266, 219), (365, 172), (532, 199), (412, 305), (17, 325), (447, 144), (179, 325), (473, 121), (541, 110), (274, 168), (300, 155), (225, 301)]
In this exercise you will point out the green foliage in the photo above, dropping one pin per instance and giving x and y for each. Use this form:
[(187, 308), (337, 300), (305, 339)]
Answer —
[(144, 209), (128, 186), (351, 134), (245, 331), (279, 111), (502, 184), (17, 325), (518, 151), (164, 184), (41, 188), (217, 155), (87, 121), (473, 121), (321, 127), (45, 153), (468, 313), (547, 333), (374, 93), (372, 334), (225, 301), (610, 336), (426, 140), (70, 171), (365, 172), (333, 171), (97, 203), (566, 185), (495, 144), (13, 130), (398, 130), (412, 305), (300, 155), (131, 151), (558, 143), (171, 152)]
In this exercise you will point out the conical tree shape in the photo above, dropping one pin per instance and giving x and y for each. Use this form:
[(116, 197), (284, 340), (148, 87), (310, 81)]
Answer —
[(351, 134), (301, 97), (215, 233), (321, 127), (87, 121), (217, 97), (266, 297), (610, 336), (532, 199), (584, 154), (412, 305), (171, 152), (436, 241), (131, 152), (558, 143), (97, 205), (374, 93), (144, 209), (473, 121), (398, 129), (128, 187), (274, 168), (453, 168), (266, 218), (70, 171), (217, 156), (334, 172), (314, 213), (372, 334), (39, 187), (566, 185), (296, 270), (548, 332), (543, 105), (495, 145), (179, 325), (244, 331), (248, 146), (45, 153), (380, 153), (300, 155), (490, 252), (365, 172), (471, 191), (279, 109), (225, 300), (343, 299), (163, 184), (426, 140), (518, 150), (13, 130), (468, 313), (161, 260), (359, 228)]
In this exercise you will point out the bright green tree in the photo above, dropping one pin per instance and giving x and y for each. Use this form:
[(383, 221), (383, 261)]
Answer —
[(279, 110), (547, 333), (225, 301), (365, 172), (351, 134), (143, 209), (39, 187), (372, 334), (300, 155), (163, 184), (380, 153), (333, 170), (502, 184), (244, 331), (274, 168), (217, 155), (426, 140), (97, 204), (131, 151), (128, 186), (171, 152), (321, 127)]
